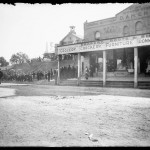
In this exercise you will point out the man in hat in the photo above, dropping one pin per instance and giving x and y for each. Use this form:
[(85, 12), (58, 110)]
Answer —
[(1, 75)]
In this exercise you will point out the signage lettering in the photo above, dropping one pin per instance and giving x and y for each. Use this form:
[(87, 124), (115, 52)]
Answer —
[(110, 29), (134, 15), (133, 41), (144, 41)]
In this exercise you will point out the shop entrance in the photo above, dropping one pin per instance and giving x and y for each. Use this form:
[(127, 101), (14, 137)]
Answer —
[(144, 57), (96, 63)]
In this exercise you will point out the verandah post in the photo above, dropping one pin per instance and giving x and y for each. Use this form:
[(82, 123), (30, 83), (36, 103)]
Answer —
[(135, 67), (58, 79), (104, 68), (79, 68)]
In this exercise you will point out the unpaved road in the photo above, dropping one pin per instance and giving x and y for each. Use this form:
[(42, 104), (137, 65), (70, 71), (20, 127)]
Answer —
[(65, 120)]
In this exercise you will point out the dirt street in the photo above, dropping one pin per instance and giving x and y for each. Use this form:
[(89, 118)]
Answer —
[(90, 120)]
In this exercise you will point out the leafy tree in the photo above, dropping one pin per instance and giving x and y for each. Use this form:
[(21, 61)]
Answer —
[(19, 58), (14, 59), (3, 62)]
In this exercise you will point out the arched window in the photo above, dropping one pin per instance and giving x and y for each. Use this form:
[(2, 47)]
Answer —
[(126, 30), (97, 35), (138, 27)]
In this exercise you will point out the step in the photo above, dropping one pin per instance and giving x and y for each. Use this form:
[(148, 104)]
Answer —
[(91, 83), (143, 83), (144, 87), (121, 86)]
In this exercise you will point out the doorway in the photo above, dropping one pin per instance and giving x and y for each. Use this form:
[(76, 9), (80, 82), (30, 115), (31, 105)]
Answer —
[(144, 56)]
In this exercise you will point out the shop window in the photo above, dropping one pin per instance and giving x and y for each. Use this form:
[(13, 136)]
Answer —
[(100, 60), (120, 65), (121, 60), (100, 64), (138, 27)]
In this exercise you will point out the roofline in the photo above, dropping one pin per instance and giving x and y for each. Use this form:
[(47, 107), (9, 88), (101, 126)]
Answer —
[(126, 8), (110, 17), (73, 34), (64, 37), (99, 20)]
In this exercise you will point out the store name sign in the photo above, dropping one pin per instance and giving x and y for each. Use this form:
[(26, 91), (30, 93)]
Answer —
[(132, 41)]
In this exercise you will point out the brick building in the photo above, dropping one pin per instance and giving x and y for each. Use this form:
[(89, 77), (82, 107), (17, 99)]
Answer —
[(116, 47)]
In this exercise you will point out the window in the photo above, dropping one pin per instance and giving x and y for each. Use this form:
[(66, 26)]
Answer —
[(97, 35), (126, 30), (138, 27)]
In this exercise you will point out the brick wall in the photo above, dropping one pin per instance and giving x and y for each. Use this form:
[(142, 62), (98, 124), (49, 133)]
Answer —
[(126, 21)]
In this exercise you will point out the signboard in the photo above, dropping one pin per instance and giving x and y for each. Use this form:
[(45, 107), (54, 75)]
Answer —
[(68, 49), (117, 43)]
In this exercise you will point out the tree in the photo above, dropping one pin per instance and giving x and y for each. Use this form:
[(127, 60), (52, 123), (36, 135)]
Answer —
[(19, 58), (14, 59), (3, 62)]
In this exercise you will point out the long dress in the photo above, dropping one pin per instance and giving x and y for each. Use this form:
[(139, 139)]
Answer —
[(148, 67), (86, 74)]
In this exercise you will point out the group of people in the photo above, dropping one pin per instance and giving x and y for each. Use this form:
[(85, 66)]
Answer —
[(66, 57), (39, 75), (68, 72)]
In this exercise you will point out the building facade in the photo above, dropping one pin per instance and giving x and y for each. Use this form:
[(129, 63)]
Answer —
[(116, 46)]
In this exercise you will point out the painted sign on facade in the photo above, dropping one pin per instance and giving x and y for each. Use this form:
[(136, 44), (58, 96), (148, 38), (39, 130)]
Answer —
[(117, 43), (68, 49)]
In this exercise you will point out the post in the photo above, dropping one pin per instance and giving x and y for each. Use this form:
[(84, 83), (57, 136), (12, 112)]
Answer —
[(104, 68), (135, 67), (79, 68), (58, 78)]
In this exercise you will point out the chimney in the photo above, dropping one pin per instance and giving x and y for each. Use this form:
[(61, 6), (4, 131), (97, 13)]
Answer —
[(72, 29)]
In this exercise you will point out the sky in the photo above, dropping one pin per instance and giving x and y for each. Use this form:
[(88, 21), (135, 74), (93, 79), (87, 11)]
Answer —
[(35, 28)]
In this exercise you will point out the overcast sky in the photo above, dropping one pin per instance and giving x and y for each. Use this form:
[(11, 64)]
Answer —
[(27, 27)]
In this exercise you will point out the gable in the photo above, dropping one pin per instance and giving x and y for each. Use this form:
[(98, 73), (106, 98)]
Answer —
[(70, 39)]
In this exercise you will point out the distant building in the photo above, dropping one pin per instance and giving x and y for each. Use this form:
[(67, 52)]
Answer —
[(49, 56)]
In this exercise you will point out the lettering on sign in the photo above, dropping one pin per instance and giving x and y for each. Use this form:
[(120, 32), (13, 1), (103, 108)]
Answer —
[(110, 29), (117, 43), (134, 15)]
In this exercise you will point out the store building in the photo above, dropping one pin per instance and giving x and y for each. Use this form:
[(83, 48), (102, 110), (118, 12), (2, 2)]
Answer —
[(115, 47)]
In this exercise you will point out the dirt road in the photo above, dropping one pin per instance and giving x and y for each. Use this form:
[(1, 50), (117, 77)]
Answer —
[(72, 120), (47, 90)]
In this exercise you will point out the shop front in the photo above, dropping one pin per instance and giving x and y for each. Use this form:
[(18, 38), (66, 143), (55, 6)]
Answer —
[(120, 57), (115, 49)]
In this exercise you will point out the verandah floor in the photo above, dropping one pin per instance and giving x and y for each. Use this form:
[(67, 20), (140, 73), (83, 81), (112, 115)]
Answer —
[(141, 77)]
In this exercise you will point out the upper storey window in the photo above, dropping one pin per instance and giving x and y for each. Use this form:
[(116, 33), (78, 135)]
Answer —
[(138, 27), (126, 30), (97, 35)]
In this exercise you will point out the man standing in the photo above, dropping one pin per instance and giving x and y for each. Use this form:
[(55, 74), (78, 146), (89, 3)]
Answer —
[(1, 75), (49, 74), (55, 76), (86, 73)]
